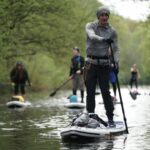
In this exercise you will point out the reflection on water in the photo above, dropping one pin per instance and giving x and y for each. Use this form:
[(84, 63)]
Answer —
[(96, 144), (39, 127)]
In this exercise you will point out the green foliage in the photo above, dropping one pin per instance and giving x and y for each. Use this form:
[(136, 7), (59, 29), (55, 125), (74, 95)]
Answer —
[(134, 47), (42, 33)]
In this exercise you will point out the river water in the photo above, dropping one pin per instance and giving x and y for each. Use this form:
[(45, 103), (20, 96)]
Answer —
[(38, 127)]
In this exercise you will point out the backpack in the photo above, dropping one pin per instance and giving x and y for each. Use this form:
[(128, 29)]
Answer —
[(86, 120)]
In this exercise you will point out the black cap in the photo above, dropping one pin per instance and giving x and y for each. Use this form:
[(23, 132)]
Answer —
[(101, 10)]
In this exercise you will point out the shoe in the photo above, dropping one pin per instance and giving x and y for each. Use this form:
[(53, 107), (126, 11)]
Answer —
[(111, 124), (82, 101)]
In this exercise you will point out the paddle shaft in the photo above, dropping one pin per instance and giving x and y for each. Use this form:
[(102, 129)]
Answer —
[(96, 117), (102, 121), (118, 85), (58, 88)]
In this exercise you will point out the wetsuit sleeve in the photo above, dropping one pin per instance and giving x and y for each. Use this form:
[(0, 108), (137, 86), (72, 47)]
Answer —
[(115, 46), (89, 28)]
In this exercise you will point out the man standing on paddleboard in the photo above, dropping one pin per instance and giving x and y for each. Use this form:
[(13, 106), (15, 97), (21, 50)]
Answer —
[(76, 72), (100, 34)]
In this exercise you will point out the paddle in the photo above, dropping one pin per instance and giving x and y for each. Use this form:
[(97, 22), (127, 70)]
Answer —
[(58, 88), (132, 94), (118, 85)]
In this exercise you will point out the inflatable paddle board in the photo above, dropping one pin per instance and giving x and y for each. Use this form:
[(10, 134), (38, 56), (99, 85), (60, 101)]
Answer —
[(114, 102), (18, 102), (75, 105), (85, 132)]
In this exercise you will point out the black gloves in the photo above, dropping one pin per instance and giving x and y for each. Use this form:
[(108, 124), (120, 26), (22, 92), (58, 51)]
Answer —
[(108, 40), (115, 68)]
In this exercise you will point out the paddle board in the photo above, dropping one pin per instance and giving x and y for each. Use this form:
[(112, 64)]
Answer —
[(75, 105), (85, 132), (18, 104), (18, 101), (114, 102)]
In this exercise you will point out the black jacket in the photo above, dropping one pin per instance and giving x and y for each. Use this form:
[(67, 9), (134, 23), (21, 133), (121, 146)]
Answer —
[(77, 63), (19, 76)]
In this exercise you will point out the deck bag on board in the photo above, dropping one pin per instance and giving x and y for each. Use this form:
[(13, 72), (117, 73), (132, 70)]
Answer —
[(81, 120), (92, 123), (84, 120)]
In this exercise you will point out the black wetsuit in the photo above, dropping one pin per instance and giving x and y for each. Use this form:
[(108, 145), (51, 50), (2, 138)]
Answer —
[(97, 66), (77, 63)]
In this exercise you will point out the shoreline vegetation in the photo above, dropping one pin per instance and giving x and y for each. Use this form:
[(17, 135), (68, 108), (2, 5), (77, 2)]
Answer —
[(42, 34)]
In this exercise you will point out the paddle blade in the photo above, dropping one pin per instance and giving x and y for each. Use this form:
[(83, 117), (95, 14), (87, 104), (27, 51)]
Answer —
[(133, 95), (52, 94)]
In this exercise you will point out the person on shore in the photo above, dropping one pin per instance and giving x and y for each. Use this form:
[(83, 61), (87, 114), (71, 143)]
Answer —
[(135, 76), (76, 72), (19, 77), (100, 34)]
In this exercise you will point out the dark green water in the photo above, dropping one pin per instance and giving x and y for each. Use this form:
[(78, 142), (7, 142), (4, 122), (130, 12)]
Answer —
[(38, 127)]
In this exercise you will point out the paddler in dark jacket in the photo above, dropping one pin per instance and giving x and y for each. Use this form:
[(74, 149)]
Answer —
[(19, 77), (100, 34), (76, 72)]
